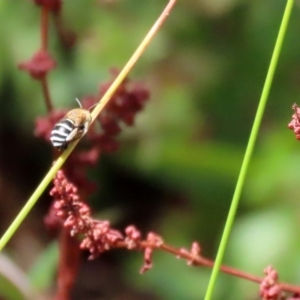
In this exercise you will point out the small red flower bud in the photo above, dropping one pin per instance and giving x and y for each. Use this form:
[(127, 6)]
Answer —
[(133, 237), (39, 65), (269, 288), (147, 260), (295, 123)]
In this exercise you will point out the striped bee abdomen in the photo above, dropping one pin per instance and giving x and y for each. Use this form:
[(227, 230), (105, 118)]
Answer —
[(62, 133)]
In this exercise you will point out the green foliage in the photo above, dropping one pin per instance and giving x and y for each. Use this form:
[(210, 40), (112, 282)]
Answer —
[(14, 284), (43, 271), (205, 71)]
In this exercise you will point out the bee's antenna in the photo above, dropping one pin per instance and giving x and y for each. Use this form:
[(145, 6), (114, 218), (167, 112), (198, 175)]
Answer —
[(93, 106), (78, 102)]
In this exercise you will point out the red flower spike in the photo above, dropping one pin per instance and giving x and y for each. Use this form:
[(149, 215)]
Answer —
[(269, 288), (128, 117), (126, 102), (106, 143), (39, 65), (53, 5), (67, 202), (109, 124), (88, 157), (100, 238), (52, 221), (75, 214), (140, 93)]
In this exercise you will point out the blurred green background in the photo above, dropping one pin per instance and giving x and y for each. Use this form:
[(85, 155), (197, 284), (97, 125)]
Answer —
[(177, 167)]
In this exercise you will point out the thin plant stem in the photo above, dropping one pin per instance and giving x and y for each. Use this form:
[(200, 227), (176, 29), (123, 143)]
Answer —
[(44, 27), (46, 93), (61, 160), (202, 261), (250, 147), (133, 59)]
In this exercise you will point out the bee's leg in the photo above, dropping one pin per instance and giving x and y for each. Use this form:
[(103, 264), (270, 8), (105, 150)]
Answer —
[(63, 147)]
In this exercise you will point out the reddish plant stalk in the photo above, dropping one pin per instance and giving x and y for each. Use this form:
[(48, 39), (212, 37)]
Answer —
[(44, 27), (46, 93), (69, 257), (99, 237)]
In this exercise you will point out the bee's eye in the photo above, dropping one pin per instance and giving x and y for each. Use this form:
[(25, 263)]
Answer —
[(81, 127)]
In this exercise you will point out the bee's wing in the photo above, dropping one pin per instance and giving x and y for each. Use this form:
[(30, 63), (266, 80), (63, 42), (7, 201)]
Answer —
[(74, 135)]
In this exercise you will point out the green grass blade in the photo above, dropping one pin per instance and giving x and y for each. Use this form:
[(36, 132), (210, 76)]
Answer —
[(34, 197), (250, 147)]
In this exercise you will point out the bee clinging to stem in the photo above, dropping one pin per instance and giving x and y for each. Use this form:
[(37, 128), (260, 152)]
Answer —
[(71, 127)]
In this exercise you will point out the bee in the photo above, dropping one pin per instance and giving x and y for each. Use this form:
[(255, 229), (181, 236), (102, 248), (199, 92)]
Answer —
[(71, 127)]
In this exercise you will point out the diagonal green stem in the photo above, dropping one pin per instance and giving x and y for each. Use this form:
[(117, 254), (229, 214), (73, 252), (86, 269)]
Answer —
[(250, 147), (61, 160)]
